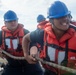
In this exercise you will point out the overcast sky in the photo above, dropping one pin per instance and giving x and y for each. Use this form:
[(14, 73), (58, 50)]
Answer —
[(28, 10)]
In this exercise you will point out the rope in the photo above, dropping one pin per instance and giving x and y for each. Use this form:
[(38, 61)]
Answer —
[(57, 66), (44, 62), (14, 57)]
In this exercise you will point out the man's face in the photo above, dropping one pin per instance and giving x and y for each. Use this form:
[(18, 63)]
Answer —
[(11, 25), (61, 23)]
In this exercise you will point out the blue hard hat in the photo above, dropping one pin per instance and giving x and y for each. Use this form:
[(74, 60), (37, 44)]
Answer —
[(40, 18), (58, 9), (10, 16)]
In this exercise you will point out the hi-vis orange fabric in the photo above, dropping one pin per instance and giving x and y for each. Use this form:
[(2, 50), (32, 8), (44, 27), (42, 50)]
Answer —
[(73, 22), (54, 50), (12, 42), (42, 24)]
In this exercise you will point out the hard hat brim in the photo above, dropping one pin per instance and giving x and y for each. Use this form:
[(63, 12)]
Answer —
[(60, 15), (11, 19)]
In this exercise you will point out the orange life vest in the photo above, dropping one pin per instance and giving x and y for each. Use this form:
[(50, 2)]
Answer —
[(42, 24), (73, 22), (12, 42), (56, 51)]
